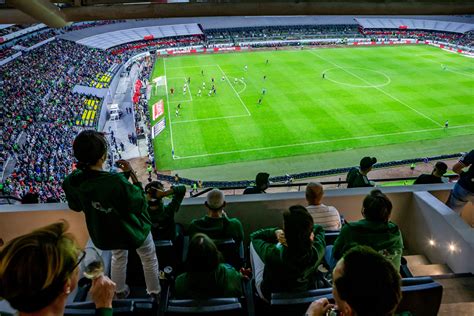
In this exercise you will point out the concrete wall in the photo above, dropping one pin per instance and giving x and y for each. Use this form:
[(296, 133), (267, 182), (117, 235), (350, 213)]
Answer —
[(417, 211)]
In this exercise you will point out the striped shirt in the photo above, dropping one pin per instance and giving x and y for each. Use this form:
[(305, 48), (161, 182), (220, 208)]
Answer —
[(326, 216)]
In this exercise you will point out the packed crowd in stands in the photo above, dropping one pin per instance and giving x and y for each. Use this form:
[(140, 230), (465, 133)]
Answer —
[(170, 42), (279, 33), (452, 38), (12, 29), (37, 37), (38, 90)]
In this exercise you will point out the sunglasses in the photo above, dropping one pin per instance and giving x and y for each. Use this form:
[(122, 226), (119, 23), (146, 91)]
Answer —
[(81, 257)]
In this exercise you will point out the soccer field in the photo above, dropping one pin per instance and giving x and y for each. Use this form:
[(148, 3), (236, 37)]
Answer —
[(367, 97)]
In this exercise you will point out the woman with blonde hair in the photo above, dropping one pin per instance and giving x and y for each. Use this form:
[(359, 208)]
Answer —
[(40, 269)]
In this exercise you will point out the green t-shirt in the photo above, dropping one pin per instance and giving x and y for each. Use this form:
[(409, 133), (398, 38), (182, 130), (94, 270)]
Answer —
[(225, 281), (286, 271), (116, 210), (384, 238)]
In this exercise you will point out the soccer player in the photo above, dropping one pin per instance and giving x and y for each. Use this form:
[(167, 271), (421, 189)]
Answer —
[(177, 112), (189, 80), (212, 79), (264, 77), (199, 93), (223, 78), (260, 101), (172, 91), (324, 75), (264, 91), (202, 72), (246, 68), (235, 80), (179, 106), (266, 63), (184, 89), (204, 85), (446, 124), (210, 92)]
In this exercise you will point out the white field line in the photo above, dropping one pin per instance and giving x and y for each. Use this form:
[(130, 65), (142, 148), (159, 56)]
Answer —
[(211, 118), (379, 89), (169, 112), (180, 101), (189, 90), (198, 66), (230, 84), (322, 142)]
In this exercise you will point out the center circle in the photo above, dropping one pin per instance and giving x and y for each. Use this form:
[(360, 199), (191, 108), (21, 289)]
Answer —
[(357, 77)]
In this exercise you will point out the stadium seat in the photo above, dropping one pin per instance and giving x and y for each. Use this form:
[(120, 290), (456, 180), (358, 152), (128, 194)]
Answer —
[(233, 254), (135, 307), (330, 236), (296, 303), (420, 296), (214, 306)]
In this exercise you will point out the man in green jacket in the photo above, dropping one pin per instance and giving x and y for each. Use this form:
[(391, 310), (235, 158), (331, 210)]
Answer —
[(216, 224), (162, 216), (375, 230), (287, 260)]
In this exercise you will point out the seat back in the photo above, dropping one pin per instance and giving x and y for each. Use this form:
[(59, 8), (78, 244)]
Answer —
[(330, 236), (289, 303), (214, 306), (232, 252), (167, 253), (129, 307), (421, 299)]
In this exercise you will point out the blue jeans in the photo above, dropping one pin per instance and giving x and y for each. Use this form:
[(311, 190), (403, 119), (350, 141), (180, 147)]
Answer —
[(459, 198), (330, 260)]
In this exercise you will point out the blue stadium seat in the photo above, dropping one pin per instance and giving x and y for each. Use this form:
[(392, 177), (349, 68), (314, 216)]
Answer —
[(129, 307), (420, 296), (214, 306)]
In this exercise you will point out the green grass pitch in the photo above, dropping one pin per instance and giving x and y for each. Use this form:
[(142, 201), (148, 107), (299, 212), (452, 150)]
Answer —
[(370, 96)]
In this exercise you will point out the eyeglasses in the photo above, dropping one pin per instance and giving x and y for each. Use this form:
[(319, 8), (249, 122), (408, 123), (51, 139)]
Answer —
[(79, 260)]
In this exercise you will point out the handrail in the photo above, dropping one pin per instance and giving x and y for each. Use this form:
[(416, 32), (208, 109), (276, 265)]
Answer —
[(9, 197), (299, 184)]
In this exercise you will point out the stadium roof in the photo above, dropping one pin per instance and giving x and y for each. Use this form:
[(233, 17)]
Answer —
[(57, 13), (240, 21), (111, 39), (415, 24)]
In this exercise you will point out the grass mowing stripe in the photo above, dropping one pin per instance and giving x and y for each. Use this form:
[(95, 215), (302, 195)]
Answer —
[(378, 88)]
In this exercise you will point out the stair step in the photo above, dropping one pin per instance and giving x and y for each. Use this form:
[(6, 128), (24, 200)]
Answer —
[(429, 269), (414, 260)]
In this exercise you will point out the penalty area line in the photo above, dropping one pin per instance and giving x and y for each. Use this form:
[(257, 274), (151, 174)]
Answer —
[(320, 142)]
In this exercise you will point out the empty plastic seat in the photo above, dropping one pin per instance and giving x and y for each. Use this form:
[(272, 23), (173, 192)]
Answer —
[(296, 303), (214, 306), (136, 307), (420, 297)]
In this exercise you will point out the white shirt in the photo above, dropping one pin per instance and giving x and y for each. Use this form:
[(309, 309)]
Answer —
[(326, 216)]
